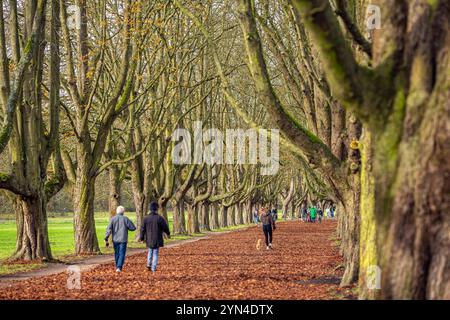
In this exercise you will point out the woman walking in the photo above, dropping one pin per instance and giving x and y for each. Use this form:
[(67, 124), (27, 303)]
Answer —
[(268, 226)]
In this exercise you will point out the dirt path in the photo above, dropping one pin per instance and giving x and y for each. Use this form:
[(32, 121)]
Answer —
[(227, 266)]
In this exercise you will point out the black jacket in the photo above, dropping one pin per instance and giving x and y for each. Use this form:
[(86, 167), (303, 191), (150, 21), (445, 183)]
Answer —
[(152, 230), (267, 220)]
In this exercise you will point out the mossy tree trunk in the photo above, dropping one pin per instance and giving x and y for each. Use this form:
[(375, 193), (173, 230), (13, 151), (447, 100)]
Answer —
[(288, 199), (179, 221), (292, 211), (86, 241), (32, 235), (368, 234), (214, 216), (231, 215), (239, 213), (223, 217), (193, 225), (205, 222), (404, 103)]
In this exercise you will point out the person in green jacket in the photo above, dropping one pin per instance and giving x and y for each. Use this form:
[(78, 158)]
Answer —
[(313, 213)]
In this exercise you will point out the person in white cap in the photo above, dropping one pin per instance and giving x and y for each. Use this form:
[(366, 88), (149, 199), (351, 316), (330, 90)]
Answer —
[(119, 227)]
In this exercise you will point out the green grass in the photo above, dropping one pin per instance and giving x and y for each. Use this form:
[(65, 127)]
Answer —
[(16, 268), (60, 229)]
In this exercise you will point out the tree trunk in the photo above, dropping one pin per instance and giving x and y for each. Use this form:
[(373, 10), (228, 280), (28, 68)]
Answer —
[(286, 201), (32, 238), (298, 210), (140, 185), (84, 223), (284, 210), (247, 206), (338, 134), (292, 210), (368, 227), (165, 213), (251, 207), (413, 239), (351, 206), (163, 210), (179, 224), (139, 205), (223, 217), (215, 224), (239, 213), (349, 214), (192, 220), (205, 221), (231, 216), (115, 186)]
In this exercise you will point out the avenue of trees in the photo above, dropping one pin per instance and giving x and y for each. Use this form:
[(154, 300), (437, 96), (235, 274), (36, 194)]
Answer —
[(94, 94)]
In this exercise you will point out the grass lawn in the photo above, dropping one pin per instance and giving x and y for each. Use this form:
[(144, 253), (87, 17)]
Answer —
[(60, 231)]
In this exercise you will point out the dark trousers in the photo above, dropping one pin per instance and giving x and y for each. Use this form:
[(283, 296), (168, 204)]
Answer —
[(267, 228), (120, 249)]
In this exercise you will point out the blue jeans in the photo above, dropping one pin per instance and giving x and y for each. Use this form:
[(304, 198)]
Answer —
[(120, 249), (152, 258)]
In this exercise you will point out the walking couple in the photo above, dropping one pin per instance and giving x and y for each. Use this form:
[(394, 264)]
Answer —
[(151, 232)]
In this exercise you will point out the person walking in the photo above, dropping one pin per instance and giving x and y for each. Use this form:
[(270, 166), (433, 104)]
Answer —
[(275, 214), (255, 217), (268, 227), (304, 214), (313, 214), (152, 231), (320, 215), (119, 227)]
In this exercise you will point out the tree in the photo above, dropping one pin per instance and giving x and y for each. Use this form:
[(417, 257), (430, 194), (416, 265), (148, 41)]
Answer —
[(318, 154), (82, 86), (402, 99), (34, 142)]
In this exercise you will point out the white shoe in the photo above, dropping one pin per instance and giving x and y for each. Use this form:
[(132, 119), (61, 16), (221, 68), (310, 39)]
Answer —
[(267, 248), (270, 246), (118, 270)]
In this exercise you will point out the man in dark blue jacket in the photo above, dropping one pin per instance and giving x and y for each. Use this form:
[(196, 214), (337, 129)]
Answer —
[(152, 231), (119, 227)]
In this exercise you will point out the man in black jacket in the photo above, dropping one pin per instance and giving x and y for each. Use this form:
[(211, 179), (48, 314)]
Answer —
[(152, 232)]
